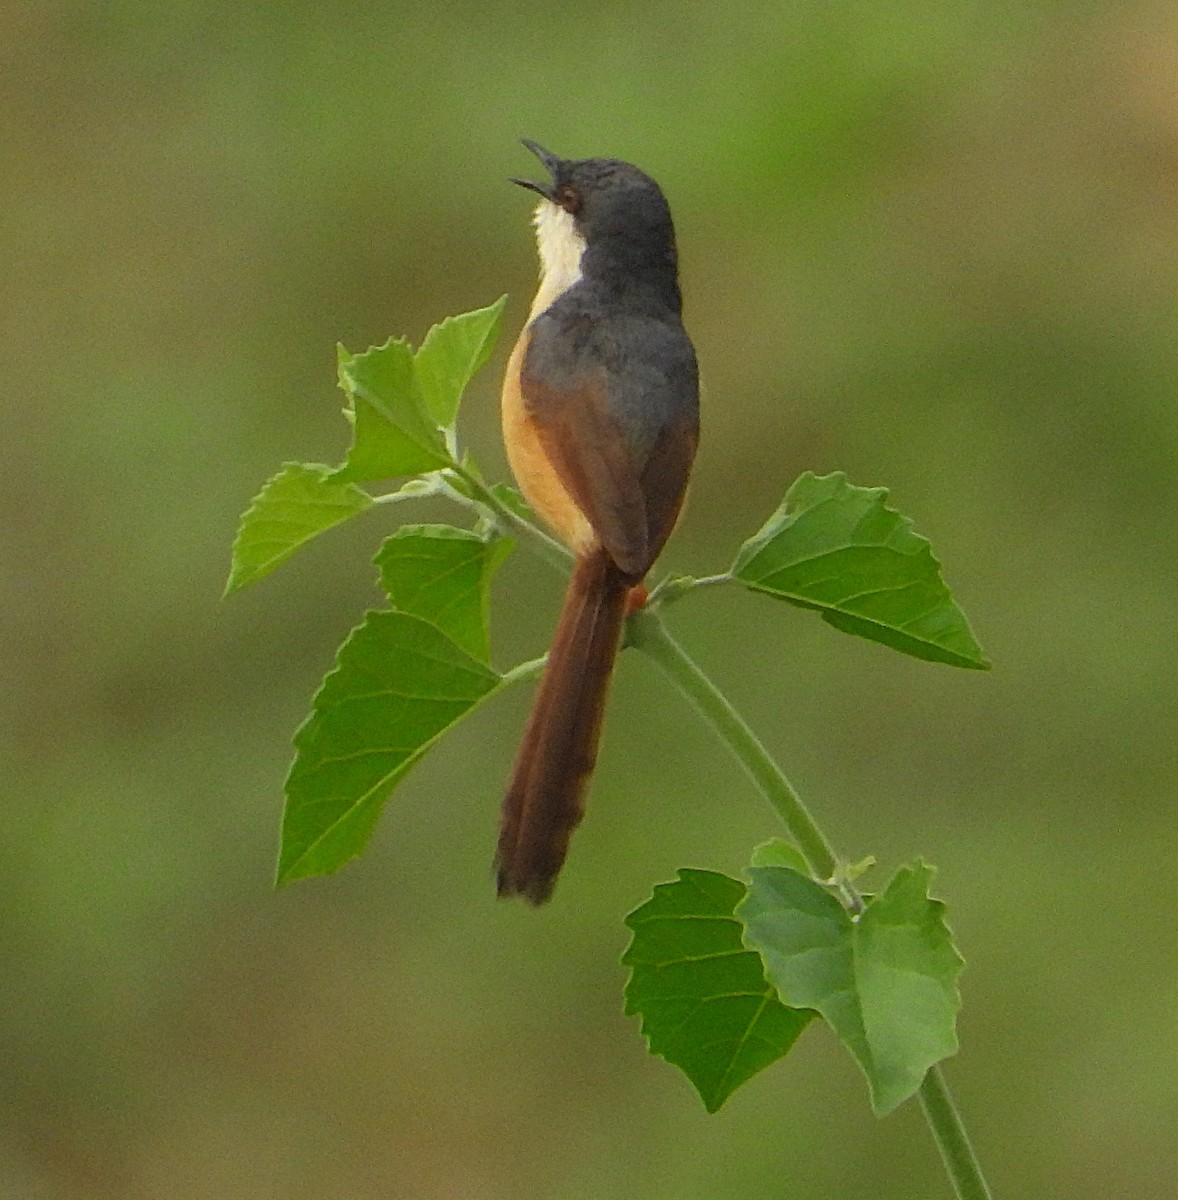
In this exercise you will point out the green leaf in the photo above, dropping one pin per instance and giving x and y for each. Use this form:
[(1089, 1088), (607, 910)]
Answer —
[(392, 434), (443, 575), (451, 354), (777, 852), (302, 500), (908, 968), (885, 982), (705, 1005), (398, 685), (839, 549)]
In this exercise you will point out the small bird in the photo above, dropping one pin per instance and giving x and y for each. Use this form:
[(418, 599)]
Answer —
[(601, 424)]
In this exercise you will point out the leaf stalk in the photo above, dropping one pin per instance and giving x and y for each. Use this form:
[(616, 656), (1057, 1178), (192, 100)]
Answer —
[(483, 498), (952, 1141)]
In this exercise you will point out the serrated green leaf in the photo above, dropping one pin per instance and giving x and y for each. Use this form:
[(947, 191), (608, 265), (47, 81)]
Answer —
[(392, 433), (398, 685), (443, 575), (702, 996), (907, 967), (840, 550), (886, 983), (451, 354), (302, 500)]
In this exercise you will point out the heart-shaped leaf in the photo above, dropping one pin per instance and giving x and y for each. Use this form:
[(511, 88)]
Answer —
[(702, 996), (840, 550), (398, 685), (443, 574), (886, 982)]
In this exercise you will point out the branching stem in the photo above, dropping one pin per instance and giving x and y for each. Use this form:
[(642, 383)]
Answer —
[(483, 497), (648, 633)]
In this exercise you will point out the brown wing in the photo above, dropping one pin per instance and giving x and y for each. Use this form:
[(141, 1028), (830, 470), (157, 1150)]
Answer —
[(664, 479), (589, 453)]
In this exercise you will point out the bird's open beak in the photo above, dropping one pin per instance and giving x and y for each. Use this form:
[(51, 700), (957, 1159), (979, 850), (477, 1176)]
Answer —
[(550, 160)]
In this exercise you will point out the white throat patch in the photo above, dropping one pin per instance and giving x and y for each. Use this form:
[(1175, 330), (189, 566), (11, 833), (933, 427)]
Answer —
[(561, 247)]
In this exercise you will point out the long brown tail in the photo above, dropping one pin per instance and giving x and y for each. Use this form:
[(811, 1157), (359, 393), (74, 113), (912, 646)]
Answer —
[(543, 802)]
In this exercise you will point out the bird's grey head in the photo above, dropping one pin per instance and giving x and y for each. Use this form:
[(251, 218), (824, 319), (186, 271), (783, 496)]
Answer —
[(615, 208)]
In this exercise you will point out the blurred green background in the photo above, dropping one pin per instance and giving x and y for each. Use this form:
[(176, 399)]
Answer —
[(933, 244)]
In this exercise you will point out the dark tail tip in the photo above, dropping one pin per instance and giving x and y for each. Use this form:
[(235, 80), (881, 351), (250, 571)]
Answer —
[(535, 891)]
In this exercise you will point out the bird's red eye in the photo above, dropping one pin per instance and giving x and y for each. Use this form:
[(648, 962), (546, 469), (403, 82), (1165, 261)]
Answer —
[(569, 200)]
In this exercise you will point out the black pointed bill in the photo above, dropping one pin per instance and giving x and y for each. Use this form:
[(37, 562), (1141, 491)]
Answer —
[(551, 161)]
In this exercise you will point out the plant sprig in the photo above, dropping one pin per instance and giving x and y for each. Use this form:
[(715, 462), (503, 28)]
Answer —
[(726, 974)]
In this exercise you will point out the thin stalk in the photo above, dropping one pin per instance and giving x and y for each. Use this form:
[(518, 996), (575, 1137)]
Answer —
[(675, 587), (548, 548), (704, 581), (648, 633), (415, 489), (524, 671), (951, 1138)]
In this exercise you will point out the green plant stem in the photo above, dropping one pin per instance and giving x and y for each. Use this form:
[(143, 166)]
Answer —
[(675, 587), (951, 1138), (524, 671), (648, 633), (548, 548)]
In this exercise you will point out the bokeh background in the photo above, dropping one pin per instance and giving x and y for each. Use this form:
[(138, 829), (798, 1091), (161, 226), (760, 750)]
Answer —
[(933, 244)]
